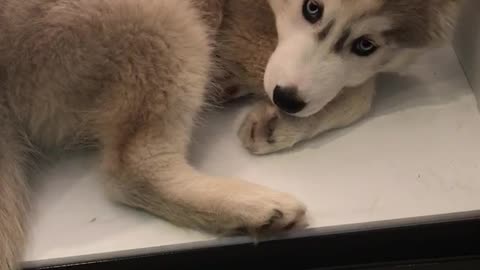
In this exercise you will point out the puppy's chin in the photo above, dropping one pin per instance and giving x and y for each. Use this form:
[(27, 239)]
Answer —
[(313, 107), (307, 112)]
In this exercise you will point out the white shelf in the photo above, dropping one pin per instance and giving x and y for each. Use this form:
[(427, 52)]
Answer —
[(415, 155)]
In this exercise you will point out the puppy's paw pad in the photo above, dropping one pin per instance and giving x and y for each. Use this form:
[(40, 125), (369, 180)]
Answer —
[(265, 130), (280, 214)]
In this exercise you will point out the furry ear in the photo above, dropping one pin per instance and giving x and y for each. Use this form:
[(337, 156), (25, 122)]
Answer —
[(420, 23)]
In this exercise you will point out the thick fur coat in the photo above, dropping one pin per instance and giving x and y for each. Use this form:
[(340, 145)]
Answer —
[(129, 77)]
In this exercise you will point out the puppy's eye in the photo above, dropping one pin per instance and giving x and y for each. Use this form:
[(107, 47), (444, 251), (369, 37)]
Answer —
[(364, 46), (312, 11)]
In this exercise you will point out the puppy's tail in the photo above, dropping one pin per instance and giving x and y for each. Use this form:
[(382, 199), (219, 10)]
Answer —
[(13, 196)]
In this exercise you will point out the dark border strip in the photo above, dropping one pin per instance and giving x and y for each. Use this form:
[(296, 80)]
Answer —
[(431, 241), (464, 263)]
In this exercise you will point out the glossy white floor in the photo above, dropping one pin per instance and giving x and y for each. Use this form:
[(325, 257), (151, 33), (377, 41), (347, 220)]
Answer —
[(415, 155)]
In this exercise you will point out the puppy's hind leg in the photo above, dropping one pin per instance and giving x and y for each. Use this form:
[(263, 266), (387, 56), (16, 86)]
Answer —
[(13, 194), (145, 121), (150, 172), (144, 155)]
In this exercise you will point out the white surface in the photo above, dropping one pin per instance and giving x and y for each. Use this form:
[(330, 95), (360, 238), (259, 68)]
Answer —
[(416, 155)]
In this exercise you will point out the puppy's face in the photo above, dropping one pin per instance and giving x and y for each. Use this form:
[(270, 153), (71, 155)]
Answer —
[(327, 45)]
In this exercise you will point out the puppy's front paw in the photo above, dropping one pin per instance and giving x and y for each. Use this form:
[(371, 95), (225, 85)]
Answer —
[(265, 130), (270, 212)]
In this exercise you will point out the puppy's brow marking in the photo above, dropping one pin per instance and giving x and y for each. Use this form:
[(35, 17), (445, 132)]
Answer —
[(341, 42), (324, 33)]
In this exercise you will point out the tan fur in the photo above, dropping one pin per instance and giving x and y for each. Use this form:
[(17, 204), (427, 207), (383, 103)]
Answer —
[(129, 77), (244, 44), (13, 191)]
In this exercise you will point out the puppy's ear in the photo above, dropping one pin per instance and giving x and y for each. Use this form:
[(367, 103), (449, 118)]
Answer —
[(421, 23)]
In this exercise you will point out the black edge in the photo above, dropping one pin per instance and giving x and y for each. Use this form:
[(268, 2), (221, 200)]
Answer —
[(453, 241)]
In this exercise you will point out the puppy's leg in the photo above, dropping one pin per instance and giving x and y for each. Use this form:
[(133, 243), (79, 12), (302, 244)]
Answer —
[(144, 119), (266, 130), (13, 194), (150, 172)]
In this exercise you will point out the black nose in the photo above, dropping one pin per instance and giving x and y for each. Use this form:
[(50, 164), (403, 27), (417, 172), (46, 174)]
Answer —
[(287, 99)]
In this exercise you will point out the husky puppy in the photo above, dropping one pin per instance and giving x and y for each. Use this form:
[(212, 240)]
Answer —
[(130, 76), (321, 75)]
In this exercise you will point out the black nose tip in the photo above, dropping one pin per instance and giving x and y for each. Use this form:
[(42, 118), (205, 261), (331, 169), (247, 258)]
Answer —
[(287, 99)]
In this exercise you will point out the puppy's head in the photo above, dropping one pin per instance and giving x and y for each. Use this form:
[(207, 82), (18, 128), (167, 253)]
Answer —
[(327, 45)]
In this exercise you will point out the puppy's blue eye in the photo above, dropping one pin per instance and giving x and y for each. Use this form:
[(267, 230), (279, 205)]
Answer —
[(312, 11), (364, 46)]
